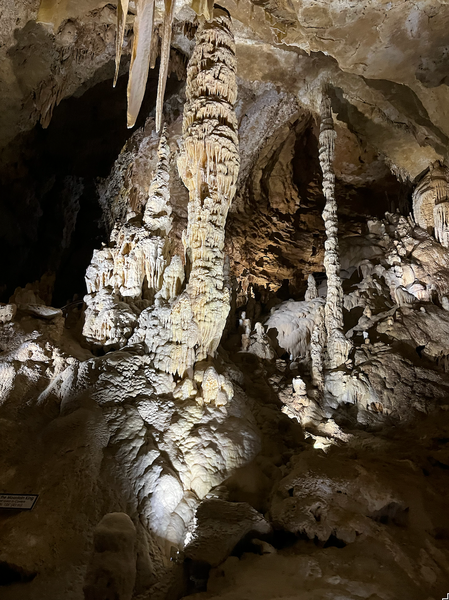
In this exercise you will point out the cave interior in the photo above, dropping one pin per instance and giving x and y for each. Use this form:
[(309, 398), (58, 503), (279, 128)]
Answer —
[(224, 313)]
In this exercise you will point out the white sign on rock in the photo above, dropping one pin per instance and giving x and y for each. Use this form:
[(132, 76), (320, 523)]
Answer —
[(18, 501)]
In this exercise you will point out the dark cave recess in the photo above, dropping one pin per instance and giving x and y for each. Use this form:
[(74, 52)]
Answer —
[(50, 219)]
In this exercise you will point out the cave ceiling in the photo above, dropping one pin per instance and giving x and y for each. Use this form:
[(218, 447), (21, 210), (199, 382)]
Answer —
[(386, 63)]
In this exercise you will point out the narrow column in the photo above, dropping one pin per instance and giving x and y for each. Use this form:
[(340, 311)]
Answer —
[(338, 346)]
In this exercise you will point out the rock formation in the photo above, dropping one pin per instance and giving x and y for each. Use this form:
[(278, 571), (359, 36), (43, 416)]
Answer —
[(137, 256), (190, 329), (431, 202), (112, 570), (140, 57), (311, 292), (337, 346), (251, 399), (165, 57)]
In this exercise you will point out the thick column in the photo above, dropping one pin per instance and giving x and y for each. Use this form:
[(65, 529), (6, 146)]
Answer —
[(188, 328), (209, 167)]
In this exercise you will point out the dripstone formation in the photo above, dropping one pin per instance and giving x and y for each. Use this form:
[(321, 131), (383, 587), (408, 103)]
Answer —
[(224, 356), (338, 346)]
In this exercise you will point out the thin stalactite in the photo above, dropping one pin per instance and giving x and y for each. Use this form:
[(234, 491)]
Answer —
[(122, 11), (165, 59)]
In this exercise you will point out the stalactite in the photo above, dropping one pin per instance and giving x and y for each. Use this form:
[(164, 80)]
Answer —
[(122, 11), (145, 51), (338, 346), (441, 221), (204, 7), (165, 59), (140, 58), (155, 46)]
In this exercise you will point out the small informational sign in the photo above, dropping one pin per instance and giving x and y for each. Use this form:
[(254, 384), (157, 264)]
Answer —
[(18, 501)]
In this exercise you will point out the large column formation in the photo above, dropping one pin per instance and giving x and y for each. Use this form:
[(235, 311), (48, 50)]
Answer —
[(178, 327), (188, 329), (338, 346), (209, 167)]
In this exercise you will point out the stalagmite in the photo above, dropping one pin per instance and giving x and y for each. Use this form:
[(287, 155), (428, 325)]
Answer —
[(112, 569), (138, 254), (165, 59), (338, 346), (317, 344), (140, 58), (157, 214), (122, 11), (311, 292)]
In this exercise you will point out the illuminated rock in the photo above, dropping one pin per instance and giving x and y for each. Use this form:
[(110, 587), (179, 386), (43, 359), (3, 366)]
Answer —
[(338, 346), (430, 199)]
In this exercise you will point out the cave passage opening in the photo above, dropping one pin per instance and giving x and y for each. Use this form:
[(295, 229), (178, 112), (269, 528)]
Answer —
[(279, 231), (51, 220)]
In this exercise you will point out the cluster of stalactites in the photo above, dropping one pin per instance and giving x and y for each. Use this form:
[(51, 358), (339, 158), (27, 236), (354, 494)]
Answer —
[(431, 202), (338, 346), (144, 50), (143, 54)]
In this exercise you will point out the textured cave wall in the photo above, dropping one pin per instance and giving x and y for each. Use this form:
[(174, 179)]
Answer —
[(275, 230), (386, 61)]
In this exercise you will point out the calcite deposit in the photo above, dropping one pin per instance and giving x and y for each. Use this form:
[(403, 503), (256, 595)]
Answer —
[(190, 328), (224, 322), (127, 276), (431, 202), (337, 345)]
